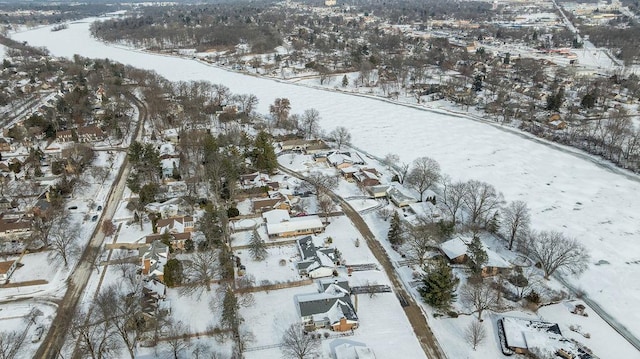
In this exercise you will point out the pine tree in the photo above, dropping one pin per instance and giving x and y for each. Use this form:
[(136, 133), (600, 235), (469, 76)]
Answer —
[(395, 230), (264, 154), (172, 273), (257, 247), (345, 81), (230, 317), (438, 285), (477, 255)]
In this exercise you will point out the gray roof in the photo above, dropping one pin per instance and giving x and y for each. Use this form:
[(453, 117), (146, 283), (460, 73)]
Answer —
[(343, 283), (322, 303), (307, 248)]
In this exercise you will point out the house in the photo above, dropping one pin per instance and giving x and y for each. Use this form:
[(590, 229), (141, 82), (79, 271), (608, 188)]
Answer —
[(522, 335), (169, 166), (175, 224), (280, 224), (352, 350), (330, 308), (177, 240), (276, 200), (299, 144), (64, 136), (367, 177), (5, 145), (171, 135), (154, 298), (345, 159), (379, 191), (398, 198), (14, 229), (90, 134), (153, 258), (455, 250), (316, 146), (6, 270), (316, 262)]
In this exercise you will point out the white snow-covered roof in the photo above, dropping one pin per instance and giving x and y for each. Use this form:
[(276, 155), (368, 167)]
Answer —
[(454, 248), (522, 333), (349, 351), (295, 224), (276, 216), (494, 259)]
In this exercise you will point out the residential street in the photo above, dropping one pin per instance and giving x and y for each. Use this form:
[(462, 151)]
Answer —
[(55, 338)]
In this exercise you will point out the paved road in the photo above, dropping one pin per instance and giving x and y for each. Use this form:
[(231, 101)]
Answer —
[(54, 341), (412, 310)]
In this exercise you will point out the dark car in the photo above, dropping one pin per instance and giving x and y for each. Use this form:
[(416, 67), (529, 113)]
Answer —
[(73, 207), (99, 208), (94, 218)]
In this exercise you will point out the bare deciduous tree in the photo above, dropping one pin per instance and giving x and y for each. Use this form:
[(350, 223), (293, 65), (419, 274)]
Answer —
[(424, 174), (177, 338), (320, 183), (9, 344), (310, 123), (341, 136), (326, 205), (480, 199), (121, 305), (297, 344), (420, 237), (480, 296), (516, 221), (555, 252), (95, 336), (199, 271), (475, 333), (452, 197), (62, 240)]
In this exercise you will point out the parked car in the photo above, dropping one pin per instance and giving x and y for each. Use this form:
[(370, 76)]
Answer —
[(94, 218), (37, 335), (99, 208), (73, 207)]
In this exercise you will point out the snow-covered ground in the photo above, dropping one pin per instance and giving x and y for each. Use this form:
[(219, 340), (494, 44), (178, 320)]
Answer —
[(567, 192)]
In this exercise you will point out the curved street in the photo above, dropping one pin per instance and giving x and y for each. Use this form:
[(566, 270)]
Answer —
[(412, 310)]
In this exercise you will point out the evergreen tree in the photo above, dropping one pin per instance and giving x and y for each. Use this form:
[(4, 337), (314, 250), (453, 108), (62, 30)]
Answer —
[(264, 154), (395, 230), (257, 247), (477, 255), (172, 273), (345, 81), (230, 317), (438, 285)]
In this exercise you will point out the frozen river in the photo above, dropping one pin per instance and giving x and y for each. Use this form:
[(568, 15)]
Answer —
[(568, 193)]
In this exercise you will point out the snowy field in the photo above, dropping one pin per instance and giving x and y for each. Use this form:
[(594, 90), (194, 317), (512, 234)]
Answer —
[(566, 192)]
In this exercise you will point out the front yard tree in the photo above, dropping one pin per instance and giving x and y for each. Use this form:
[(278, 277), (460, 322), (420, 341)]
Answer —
[(478, 257), (420, 237), (62, 240), (9, 344), (257, 247), (341, 136), (120, 304), (475, 334), (297, 344), (321, 183), (480, 296), (424, 174), (326, 205), (96, 338), (480, 199), (264, 155), (438, 285), (516, 221), (395, 230), (555, 252)]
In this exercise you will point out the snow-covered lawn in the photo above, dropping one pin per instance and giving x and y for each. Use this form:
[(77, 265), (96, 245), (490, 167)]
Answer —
[(270, 269)]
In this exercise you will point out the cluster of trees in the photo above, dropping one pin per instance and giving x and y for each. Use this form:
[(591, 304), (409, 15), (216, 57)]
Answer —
[(201, 26)]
